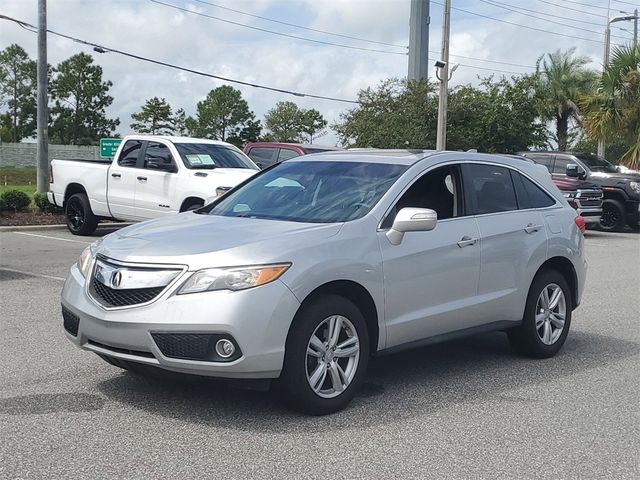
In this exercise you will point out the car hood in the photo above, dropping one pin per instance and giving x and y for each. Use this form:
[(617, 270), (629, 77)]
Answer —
[(204, 240)]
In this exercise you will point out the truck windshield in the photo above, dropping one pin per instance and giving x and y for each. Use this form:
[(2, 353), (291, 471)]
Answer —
[(207, 156), (596, 164), (315, 192)]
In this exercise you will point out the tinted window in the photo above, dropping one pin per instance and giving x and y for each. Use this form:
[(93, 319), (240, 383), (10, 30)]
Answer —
[(529, 194), (318, 192), (129, 154), (158, 155), (207, 156), (438, 190), (490, 189), (262, 155), (545, 160), (560, 165), (286, 154)]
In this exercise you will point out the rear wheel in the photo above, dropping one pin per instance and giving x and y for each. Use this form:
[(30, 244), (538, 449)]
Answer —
[(326, 358), (547, 317), (80, 218), (612, 219)]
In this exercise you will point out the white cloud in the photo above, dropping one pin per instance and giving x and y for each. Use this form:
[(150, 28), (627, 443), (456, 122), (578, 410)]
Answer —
[(162, 33)]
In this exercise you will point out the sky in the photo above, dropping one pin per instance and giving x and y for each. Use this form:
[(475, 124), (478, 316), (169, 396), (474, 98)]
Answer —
[(498, 37)]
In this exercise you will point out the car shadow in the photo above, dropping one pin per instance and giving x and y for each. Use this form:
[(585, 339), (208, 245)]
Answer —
[(397, 387)]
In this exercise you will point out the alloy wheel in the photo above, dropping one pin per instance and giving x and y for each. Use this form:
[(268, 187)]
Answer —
[(332, 356), (551, 310), (75, 214)]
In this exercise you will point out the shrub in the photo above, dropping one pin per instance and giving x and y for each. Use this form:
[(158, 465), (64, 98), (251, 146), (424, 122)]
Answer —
[(3, 205), (15, 200), (42, 202)]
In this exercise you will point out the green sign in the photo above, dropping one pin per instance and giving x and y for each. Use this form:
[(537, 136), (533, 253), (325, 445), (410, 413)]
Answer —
[(109, 146)]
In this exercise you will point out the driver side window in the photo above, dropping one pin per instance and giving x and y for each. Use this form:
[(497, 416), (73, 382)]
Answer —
[(439, 189)]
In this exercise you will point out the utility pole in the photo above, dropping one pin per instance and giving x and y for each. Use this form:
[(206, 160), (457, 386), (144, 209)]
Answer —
[(443, 67), (419, 40), (635, 28), (43, 110)]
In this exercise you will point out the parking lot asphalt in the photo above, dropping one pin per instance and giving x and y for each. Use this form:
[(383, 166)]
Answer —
[(465, 409)]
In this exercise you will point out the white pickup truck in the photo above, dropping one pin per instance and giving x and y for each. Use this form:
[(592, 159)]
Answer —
[(149, 176)]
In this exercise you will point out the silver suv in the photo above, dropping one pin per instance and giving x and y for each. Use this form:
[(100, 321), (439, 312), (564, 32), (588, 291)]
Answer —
[(304, 271)]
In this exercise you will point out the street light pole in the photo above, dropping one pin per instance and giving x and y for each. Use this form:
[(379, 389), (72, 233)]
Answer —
[(441, 135), (42, 179)]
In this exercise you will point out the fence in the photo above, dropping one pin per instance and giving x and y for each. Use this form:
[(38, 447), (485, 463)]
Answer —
[(24, 154)]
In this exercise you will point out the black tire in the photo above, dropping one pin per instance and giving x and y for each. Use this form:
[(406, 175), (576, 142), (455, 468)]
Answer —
[(526, 339), (293, 384), (80, 218), (193, 206), (613, 216)]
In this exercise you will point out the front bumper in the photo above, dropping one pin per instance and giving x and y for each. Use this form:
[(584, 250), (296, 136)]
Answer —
[(258, 319), (590, 215)]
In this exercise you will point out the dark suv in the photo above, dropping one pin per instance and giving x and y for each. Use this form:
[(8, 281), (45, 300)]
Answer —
[(621, 190), (265, 154)]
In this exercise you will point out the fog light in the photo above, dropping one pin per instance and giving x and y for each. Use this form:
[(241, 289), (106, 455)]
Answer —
[(225, 348)]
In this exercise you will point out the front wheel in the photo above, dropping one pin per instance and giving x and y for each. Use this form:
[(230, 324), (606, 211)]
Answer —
[(80, 218), (326, 356), (612, 219), (547, 317)]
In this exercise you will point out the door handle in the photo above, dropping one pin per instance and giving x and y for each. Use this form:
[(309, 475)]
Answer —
[(466, 241), (142, 179), (532, 227), (116, 175)]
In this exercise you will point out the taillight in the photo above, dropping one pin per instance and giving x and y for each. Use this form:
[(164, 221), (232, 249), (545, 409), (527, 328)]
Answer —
[(50, 173), (582, 226)]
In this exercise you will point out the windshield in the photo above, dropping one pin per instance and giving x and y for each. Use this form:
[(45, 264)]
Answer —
[(207, 156), (596, 164), (306, 191)]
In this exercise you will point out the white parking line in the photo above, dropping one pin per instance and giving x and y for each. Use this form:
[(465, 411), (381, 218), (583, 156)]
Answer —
[(50, 237), (50, 277)]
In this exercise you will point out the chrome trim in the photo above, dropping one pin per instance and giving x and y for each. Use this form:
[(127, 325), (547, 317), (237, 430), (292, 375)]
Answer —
[(181, 271)]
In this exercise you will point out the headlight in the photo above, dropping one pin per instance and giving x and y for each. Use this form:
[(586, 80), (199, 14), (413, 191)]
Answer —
[(237, 278), (84, 262), (635, 186)]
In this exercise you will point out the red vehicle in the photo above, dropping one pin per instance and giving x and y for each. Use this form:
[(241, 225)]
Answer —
[(265, 154)]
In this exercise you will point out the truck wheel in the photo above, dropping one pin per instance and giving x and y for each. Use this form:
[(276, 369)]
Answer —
[(326, 356), (80, 218), (547, 317), (193, 206), (612, 219)]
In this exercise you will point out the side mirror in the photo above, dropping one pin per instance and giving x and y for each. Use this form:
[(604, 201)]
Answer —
[(411, 219), (573, 170)]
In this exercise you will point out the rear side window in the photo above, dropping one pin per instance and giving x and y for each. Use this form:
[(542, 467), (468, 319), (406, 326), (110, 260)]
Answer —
[(546, 160), (490, 189), (261, 154), (286, 154), (130, 153), (529, 194)]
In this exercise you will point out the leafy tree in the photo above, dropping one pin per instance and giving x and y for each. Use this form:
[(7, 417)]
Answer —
[(179, 122), (313, 123), (563, 81), (225, 115), (18, 89), (396, 114), (284, 122), (80, 99), (613, 111), (154, 118)]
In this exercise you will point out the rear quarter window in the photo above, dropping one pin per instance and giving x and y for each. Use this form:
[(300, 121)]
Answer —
[(529, 195)]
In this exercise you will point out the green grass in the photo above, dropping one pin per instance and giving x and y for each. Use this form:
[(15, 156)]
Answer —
[(17, 176), (28, 189)]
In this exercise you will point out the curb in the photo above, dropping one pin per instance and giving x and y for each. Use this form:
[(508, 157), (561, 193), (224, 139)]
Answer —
[(13, 228)]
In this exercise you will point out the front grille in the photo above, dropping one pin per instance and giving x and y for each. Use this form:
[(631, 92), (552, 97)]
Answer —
[(70, 321), (137, 353), (193, 346), (111, 297)]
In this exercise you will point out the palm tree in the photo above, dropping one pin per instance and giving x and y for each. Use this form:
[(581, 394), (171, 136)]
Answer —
[(563, 80), (614, 109)]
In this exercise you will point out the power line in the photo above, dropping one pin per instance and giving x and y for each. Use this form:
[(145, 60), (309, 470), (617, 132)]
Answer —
[(628, 3), (300, 26), (586, 4), (572, 9), (103, 49), (599, 24), (273, 32), (502, 5), (522, 26)]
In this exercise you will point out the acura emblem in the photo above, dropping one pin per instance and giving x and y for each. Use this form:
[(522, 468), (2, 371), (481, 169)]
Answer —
[(116, 278)]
